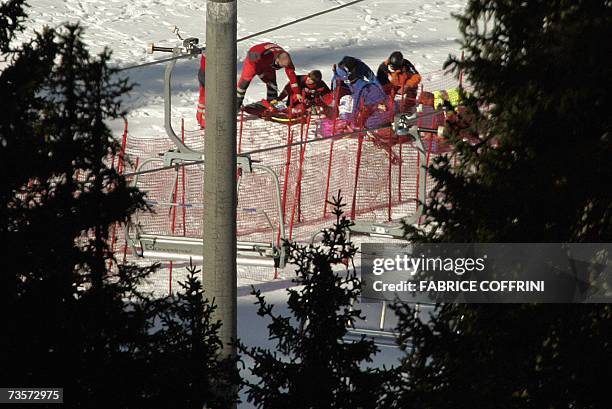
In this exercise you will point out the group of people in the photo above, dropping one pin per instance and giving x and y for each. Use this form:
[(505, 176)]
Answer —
[(395, 75)]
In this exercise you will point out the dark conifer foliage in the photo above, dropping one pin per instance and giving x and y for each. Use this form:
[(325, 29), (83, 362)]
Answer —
[(540, 93), (189, 352), (539, 172), (69, 320), (313, 366), (504, 356)]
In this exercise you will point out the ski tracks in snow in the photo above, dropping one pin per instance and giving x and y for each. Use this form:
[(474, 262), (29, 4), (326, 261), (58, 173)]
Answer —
[(423, 30)]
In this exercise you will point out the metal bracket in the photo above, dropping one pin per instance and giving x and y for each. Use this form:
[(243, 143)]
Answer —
[(245, 163), (406, 124), (190, 44), (173, 157), (403, 124)]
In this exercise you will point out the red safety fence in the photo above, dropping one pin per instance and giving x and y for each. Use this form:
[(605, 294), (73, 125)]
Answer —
[(377, 174)]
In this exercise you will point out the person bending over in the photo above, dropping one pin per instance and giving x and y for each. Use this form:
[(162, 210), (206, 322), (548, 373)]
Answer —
[(263, 60)]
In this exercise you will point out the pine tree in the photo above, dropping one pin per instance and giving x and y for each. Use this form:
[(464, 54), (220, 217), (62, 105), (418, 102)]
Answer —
[(190, 364), (494, 356), (68, 319), (539, 172), (313, 366)]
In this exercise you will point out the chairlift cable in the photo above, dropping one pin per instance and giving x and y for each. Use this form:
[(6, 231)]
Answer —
[(246, 37)]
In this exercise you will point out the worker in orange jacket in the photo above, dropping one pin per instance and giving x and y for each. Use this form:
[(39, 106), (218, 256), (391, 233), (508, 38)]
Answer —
[(398, 75)]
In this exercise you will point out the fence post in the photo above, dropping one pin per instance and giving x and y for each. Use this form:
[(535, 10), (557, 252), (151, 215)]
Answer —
[(183, 181), (298, 185), (286, 180), (329, 171), (125, 245), (300, 188), (389, 183), (120, 165), (426, 169), (399, 177), (241, 128), (357, 167), (461, 71)]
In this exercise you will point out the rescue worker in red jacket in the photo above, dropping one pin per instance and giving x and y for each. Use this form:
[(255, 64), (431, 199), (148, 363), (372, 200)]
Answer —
[(200, 114), (398, 75), (263, 60), (314, 90)]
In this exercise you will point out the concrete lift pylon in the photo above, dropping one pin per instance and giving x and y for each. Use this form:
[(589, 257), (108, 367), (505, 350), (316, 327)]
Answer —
[(219, 252)]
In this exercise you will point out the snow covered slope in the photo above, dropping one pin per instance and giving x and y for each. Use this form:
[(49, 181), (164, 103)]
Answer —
[(423, 29)]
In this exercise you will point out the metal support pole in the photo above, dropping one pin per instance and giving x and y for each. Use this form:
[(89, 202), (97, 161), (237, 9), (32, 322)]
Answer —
[(180, 145), (219, 253)]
